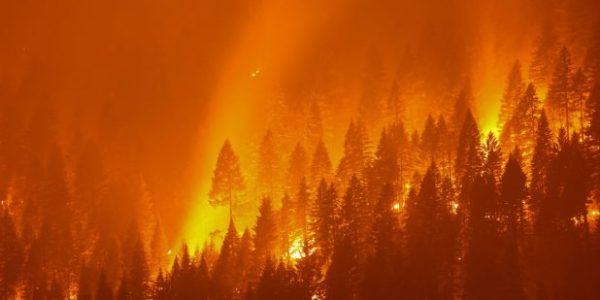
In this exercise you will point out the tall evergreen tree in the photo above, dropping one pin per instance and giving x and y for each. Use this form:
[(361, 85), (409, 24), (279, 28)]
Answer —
[(298, 168), (430, 241), (468, 154), (323, 225), (321, 164), (512, 93), (382, 272), (268, 165), (265, 237), (559, 98), (227, 180), (223, 274), (356, 152)]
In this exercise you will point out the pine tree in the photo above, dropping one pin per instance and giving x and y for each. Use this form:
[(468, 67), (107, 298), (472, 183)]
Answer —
[(395, 106), (265, 237), (523, 122), (542, 156), (559, 99), (382, 270), (301, 207), (468, 154), (513, 192), (579, 89), (223, 274), (430, 140), (482, 269), (540, 68), (244, 260), (340, 281), (138, 272), (268, 165), (430, 241), (356, 152), (512, 94), (385, 167), (323, 224), (227, 180), (321, 164), (298, 168), (314, 125), (356, 218), (462, 105)]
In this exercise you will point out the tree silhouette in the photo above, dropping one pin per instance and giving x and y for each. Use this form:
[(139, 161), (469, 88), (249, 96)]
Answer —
[(559, 96), (321, 164), (227, 180), (223, 274), (512, 93), (268, 165), (323, 224), (430, 241)]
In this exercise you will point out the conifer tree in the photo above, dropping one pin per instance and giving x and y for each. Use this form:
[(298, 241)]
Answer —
[(468, 154), (356, 218), (482, 269), (227, 180), (382, 272), (559, 99), (223, 274), (430, 140), (462, 105), (540, 162), (321, 164), (340, 281), (513, 192), (298, 168), (544, 53), (265, 237), (512, 94), (268, 165), (430, 241), (356, 152), (323, 224), (301, 207)]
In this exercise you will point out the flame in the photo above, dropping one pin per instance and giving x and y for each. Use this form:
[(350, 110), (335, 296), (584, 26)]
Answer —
[(295, 252), (396, 206)]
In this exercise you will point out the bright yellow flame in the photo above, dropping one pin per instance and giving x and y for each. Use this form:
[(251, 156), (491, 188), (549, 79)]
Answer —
[(396, 206), (296, 251)]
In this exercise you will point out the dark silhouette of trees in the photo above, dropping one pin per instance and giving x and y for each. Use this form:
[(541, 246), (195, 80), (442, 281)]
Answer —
[(227, 180), (430, 241), (321, 164), (324, 222)]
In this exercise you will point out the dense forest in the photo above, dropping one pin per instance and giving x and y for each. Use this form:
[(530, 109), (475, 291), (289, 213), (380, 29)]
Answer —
[(424, 201)]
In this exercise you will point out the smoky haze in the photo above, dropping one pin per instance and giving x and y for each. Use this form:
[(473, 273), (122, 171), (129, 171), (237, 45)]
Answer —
[(158, 85)]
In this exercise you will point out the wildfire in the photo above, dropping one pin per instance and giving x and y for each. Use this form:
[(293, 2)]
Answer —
[(295, 251)]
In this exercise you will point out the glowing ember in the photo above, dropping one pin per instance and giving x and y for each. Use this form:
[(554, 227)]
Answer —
[(396, 206), (454, 207)]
